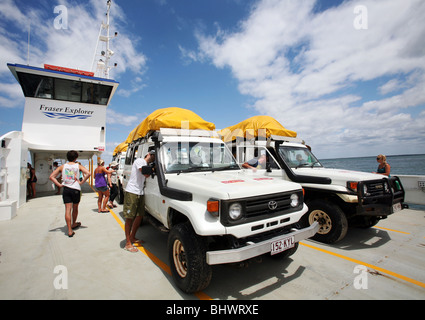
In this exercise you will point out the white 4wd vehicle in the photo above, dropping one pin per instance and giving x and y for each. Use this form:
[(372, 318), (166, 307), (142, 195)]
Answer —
[(334, 196), (215, 212)]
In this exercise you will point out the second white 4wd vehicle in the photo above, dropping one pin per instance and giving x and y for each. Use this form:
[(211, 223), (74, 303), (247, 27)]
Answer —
[(215, 212), (334, 197)]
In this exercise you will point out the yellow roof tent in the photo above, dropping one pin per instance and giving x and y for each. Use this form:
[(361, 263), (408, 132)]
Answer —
[(254, 127), (122, 147), (173, 117)]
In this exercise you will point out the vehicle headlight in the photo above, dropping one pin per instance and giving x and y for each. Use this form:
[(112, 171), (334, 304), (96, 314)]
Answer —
[(365, 190), (386, 187), (235, 211), (294, 200)]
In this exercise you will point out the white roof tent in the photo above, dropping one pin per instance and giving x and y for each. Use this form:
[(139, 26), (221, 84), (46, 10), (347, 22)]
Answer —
[(65, 109)]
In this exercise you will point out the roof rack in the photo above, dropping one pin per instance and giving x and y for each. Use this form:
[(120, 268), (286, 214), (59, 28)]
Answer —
[(287, 139), (187, 132)]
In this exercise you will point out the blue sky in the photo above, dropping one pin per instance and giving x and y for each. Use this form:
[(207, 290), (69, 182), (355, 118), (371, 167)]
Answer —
[(348, 76)]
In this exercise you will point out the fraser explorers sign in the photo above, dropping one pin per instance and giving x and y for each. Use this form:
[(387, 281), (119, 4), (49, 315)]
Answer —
[(65, 112)]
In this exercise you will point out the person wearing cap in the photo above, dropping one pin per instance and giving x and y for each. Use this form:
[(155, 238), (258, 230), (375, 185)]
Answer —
[(254, 163), (113, 166), (134, 201)]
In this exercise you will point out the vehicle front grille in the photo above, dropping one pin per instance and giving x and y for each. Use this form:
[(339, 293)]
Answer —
[(261, 207), (376, 188), (383, 191)]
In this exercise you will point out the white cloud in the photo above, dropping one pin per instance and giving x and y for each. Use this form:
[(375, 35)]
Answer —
[(113, 117), (136, 85), (390, 86), (11, 95), (303, 67)]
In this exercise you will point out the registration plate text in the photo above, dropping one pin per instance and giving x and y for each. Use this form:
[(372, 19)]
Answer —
[(282, 245)]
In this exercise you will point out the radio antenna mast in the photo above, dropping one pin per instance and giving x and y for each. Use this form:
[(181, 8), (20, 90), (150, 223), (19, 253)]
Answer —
[(28, 51), (102, 65)]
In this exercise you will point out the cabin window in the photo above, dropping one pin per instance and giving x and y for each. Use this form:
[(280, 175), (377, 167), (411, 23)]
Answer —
[(67, 90), (37, 86), (95, 93)]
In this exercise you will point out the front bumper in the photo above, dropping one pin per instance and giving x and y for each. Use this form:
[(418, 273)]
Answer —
[(256, 249), (381, 204)]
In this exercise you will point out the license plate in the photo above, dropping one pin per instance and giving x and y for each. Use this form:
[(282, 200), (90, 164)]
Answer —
[(396, 207), (282, 245)]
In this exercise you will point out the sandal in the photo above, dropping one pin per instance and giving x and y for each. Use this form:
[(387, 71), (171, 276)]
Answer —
[(77, 225), (131, 249), (138, 243)]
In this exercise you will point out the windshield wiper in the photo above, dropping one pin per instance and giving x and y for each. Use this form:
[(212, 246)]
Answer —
[(201, 168), (302, 165), (231, 167), (312, 165)]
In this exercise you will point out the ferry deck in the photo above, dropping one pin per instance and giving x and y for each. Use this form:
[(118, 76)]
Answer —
[(39, 261)]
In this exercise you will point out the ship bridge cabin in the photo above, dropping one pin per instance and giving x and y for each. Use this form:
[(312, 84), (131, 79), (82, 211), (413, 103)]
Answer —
[(65, 109)]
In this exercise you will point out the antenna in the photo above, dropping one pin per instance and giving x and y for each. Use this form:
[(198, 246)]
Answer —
[(28, 52), (102, 64)]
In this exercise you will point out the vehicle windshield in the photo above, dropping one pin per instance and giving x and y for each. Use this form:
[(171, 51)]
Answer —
[(297, 157), (180, 157)]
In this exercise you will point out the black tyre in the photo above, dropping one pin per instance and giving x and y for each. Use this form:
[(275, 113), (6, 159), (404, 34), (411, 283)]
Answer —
[(186, 253), (332, 220)]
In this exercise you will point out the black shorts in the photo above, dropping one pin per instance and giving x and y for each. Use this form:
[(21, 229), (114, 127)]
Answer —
[(71, 195)]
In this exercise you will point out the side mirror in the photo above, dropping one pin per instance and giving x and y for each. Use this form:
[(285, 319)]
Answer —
[(147, 170), (269, 167)]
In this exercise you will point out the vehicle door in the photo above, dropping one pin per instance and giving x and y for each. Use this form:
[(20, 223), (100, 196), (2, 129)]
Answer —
[(152, 192), (128, 163)]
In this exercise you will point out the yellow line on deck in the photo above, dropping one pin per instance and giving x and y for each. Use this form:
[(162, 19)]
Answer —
[(399, 276), (156, 260), (391, 230)]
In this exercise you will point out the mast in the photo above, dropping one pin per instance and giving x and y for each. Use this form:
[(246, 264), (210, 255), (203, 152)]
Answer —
[(102, 65)]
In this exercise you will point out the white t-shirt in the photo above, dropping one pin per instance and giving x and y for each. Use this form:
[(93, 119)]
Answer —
[(70, 176), (137, 179)]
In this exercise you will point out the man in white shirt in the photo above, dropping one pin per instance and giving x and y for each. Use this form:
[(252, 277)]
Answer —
[(134, 200)]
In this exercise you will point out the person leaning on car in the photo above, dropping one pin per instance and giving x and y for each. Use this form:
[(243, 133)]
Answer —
[(134, 200)]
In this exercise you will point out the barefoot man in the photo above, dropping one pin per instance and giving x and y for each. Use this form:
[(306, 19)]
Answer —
[(134, 200)]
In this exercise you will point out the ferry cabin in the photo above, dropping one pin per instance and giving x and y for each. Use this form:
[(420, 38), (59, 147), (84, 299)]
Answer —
[(65, 109)]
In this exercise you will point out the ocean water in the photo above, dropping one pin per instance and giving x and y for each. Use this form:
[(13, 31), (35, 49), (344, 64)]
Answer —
[(400, 164)]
